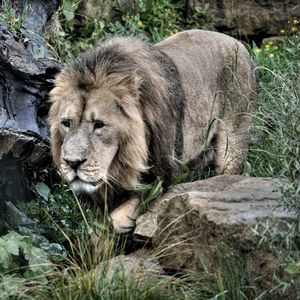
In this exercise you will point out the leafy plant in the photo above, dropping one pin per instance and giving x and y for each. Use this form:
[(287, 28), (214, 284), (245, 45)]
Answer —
[(18, 251), (67, 10), (277, 154), (59, 212)]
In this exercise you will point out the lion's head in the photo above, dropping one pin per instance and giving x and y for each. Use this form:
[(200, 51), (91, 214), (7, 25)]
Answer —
[(96, 125), (114, 111)]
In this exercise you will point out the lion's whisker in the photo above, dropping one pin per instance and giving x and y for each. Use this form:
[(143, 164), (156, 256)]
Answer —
[(113, 179)]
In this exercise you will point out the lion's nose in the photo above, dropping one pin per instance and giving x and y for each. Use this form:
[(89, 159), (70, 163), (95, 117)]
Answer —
[(74, 164)]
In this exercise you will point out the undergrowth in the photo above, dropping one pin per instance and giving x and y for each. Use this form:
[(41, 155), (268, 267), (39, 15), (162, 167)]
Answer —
[(277, 121), (277, 116), (59, 262), (149, 20)]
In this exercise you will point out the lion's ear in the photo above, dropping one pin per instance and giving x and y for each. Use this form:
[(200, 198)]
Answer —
[(130, 106), (64, 84), (122, 83), (130, 97), (134, 88)]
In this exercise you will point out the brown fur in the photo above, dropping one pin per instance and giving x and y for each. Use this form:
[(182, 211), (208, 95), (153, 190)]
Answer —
[(189, 97)]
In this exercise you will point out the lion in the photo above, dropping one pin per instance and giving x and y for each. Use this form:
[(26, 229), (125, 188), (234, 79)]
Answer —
[(126, 112)]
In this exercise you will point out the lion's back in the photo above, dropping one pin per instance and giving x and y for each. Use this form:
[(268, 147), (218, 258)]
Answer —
[(206, 60)]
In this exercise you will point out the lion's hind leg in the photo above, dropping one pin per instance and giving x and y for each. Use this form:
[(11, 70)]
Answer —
[(232, 146), (237, 101)]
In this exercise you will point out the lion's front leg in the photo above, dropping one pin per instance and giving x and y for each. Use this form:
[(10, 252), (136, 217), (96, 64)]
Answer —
[(124, 216)]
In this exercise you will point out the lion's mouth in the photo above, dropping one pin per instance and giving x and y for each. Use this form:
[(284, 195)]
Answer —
[(78, 179), (79, 185)]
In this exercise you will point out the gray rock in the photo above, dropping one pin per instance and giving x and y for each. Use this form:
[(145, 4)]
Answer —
[(133, 266), (224, 200), (193, 221), (15, 218), (91, 9), (248, 18)]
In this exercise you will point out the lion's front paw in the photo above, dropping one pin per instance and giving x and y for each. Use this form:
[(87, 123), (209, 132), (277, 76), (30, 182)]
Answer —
[(121, 222), (123, 217)]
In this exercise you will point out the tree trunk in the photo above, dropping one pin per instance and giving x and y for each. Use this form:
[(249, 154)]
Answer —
[(26, 76)]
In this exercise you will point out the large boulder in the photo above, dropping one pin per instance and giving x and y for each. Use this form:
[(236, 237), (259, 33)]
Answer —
[(194, 223), (254, 19)]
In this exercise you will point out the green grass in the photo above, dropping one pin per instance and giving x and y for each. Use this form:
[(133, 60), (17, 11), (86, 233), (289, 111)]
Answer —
[(10, 18), (28, 270), (277, 154), (277, 115), (75, 277)]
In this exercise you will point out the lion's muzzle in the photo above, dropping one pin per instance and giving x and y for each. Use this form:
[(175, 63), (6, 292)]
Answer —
[(74, 164)]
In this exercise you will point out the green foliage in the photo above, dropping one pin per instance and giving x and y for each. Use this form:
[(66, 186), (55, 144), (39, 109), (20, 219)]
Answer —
[(277, 155), (148, 193), (74, 277), (59, 213), (43, 190), (293, 268), (16, 287), (159, 19), (282, 241), (19, 251), (68, 9), (150, 20)]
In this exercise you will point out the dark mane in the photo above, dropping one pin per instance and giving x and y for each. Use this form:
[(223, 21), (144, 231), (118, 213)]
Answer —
[(109, 59)]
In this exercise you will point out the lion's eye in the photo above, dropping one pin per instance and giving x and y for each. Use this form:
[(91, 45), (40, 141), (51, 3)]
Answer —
[(98, 124), (66, 123)]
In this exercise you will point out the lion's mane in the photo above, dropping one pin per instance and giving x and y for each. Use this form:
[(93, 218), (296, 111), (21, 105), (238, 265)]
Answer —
[(138, 73)]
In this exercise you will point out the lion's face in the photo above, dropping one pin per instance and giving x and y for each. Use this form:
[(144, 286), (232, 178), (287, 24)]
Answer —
[(89, 133)]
